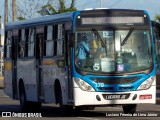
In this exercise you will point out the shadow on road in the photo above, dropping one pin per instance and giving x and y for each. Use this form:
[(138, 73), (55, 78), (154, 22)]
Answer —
[(50, 111), (55, 112)]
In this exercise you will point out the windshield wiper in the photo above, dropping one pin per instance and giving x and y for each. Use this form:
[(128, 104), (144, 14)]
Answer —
[(127, 36), (99, 38)]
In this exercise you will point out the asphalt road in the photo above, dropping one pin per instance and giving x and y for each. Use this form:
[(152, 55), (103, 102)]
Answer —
[(11, 107)]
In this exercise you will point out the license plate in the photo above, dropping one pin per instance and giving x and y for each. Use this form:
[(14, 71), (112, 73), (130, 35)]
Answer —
[(116, 96), (147, 96)]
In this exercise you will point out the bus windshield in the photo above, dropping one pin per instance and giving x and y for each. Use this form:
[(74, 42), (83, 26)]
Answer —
[(116, 51)]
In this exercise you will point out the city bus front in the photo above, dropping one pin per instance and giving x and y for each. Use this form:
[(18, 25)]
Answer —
[(113, 58)]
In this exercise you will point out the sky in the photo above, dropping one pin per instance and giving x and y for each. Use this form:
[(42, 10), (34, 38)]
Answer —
[(152, 6)]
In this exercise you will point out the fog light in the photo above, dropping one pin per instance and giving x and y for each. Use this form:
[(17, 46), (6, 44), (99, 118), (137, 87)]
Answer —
[(134, 97), (98, 98)]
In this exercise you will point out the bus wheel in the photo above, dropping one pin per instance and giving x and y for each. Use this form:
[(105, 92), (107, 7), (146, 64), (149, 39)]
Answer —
[(64, 108), (25, 105), (22, 96), (129, 108)]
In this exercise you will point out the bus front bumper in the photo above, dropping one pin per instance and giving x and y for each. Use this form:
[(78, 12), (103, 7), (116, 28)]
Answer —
[(118, 98)]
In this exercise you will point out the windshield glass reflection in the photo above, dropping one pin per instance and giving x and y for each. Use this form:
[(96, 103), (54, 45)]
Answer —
[(113, 50)]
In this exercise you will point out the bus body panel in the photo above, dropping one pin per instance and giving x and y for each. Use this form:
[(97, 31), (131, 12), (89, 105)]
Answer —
[(49, 77), (49, 91), (51, 73), (26, 71)]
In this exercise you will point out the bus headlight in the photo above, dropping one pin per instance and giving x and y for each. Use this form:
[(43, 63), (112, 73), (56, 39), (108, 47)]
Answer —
[(146, 84), (83, 85)]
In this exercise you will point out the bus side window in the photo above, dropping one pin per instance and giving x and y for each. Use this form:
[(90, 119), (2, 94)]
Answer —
[(39, 48), (21, 44), (55, 34), (48, 43), (59, 41), (8, 44), (31, 42), (26, 42)]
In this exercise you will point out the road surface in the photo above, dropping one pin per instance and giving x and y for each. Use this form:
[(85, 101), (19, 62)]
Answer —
[(47, 112)]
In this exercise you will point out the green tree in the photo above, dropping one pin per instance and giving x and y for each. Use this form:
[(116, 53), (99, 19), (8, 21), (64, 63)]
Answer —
[(21, 18), (27, 9), (62, 8), (157, 18)]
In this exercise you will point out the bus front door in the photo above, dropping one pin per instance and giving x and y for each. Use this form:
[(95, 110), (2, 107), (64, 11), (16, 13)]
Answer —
[(69, 68)]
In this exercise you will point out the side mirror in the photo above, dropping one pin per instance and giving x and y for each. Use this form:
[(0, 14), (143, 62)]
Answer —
[(71, 39)]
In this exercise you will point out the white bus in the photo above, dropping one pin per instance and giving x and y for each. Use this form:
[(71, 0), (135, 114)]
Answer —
[(43, 64)]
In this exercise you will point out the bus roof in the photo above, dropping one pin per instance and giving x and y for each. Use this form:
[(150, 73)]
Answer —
[(40, 21), (65, 17)]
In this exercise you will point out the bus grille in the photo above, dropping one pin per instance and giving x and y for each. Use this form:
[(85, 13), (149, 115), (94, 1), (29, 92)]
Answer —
[(116, 80)]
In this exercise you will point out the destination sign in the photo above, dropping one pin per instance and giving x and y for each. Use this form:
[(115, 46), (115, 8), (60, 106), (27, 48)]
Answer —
[(113, 20)]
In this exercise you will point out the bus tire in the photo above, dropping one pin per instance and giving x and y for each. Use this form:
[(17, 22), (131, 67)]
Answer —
[(22, 97), (25, 105), (129, 108), (64, 109)]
